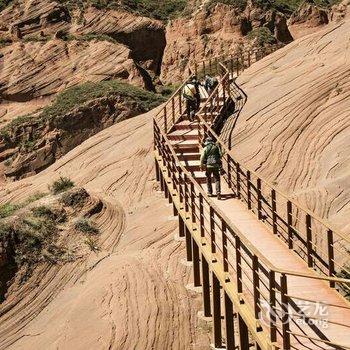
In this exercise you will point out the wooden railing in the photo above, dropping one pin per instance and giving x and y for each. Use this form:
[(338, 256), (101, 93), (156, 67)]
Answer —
[(256, 280), (324, 248)]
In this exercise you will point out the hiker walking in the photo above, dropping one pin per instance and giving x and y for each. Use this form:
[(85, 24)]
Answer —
[(211, 163), (210, 84), (192, 97)]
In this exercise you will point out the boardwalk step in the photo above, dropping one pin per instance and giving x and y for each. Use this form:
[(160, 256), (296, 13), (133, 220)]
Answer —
[(183, 135), (189, 156)]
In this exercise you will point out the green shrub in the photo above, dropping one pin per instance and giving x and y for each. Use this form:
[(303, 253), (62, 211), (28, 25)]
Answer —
[(51, 214), (61, 185), (33, 198), (80, 94), (4, 4), (239, 4), (263, 36), (158, 9), (8, 209), (75, 198), (5, 41), (86, 226), (91, 243), (285, 6)]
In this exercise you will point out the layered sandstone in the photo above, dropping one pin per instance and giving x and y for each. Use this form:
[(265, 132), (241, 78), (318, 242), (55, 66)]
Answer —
[(53, 48), (212, 31), (130, 294), (294, 128)]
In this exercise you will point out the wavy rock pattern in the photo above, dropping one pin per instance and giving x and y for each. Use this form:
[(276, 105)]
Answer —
[(294, 129), (131, 294)]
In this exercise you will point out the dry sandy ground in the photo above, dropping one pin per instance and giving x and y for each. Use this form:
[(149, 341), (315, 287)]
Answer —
[(294, 129), (131, 295)]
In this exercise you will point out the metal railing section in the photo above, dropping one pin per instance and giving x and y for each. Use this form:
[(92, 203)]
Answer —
[(324, 248), (256, 279), (260, 285)]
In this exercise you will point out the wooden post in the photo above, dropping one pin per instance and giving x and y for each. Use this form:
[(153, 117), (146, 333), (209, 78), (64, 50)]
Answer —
[(186, 193), (290, 224), (206, 287), (201, 214), (196, 265), (229, 322), (181, 227), (193, 204), (239, 265), (272, 292), (157, 170), (274, 211), (285, 313), (212, 231), (238, 178), (260, 200), (165, 120), (217, 312), (243, 334), (173, 110), (188, 244), (249, 195), (224, 246), (256, 283), (309, 241), (180, 104), (331, 264)]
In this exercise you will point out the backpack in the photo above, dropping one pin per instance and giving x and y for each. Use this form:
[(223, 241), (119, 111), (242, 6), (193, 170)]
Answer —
[(214, 156), (188, 92), (212, 82)]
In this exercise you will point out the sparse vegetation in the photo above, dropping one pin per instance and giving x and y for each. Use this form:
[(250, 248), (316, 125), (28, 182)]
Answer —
[(52, 214), (5, 41), (285, 6), (91, 243), (158, 9), (239, 4), (36, 38), (262, 36), (4, 4), (75, 198), (168, 90), (9, 209), (61, 185), (86, 226), (78, 95), (29, 236)]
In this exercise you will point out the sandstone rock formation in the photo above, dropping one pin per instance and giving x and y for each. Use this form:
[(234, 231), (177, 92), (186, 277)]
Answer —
[(216, 30), (294, 128), (37, 142), (89, 45), (35, 69), (131, 293)]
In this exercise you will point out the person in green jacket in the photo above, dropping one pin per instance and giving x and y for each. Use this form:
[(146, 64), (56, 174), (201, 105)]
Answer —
[(211, 162)]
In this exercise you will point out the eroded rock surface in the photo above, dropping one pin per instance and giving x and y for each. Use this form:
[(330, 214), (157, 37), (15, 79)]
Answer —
[(294, 128), (130, 294), (54, 48)]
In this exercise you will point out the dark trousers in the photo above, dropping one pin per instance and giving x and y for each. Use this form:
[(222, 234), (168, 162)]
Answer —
[(216, 173), (191, 108)]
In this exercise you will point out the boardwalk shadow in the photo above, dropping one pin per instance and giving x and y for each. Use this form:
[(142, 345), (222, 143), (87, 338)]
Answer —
[(228, 196)]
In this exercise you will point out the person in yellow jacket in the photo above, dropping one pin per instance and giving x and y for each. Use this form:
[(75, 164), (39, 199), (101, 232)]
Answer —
[(192, 97)]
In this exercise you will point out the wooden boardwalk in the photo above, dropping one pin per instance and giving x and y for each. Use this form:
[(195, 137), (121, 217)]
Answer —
[(267, 266)]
